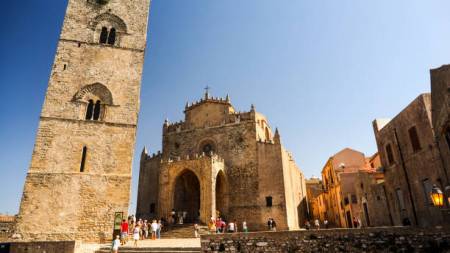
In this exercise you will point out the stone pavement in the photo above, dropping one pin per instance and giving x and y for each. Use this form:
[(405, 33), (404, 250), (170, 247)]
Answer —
[(158, 246), (176, 243)]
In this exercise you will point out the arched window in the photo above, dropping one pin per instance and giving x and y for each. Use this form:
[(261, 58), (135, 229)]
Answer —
[(267, 133), (90, 110), (97, 110), (104, 35), (112, 36)]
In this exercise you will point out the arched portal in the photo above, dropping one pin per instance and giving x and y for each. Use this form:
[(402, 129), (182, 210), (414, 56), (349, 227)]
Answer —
[(187, 195), (221, 195)]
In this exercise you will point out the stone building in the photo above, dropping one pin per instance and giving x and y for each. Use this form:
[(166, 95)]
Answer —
[(219, 162), (412, 164), (370, 192), (316, 199), (440, 101), (343, 204), (80, 171)]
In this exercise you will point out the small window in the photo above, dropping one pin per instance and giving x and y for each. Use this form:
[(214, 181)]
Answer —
[(390, 154), (354, 199), (269, 201), (83, 159), (152, 208), (104, 35), (378, 198), (90, 110), (414, 138), (97, 110), (112, 36)]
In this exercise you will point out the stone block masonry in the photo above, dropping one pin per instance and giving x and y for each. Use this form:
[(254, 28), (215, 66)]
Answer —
[(393, 239)]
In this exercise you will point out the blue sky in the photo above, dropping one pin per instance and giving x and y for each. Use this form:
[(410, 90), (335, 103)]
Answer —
[(320, 70)]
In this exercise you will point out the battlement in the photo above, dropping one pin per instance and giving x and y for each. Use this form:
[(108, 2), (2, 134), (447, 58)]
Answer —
[(208, 99), (198, 156)]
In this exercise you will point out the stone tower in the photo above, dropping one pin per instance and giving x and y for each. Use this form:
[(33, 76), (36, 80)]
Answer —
[(80, 171)]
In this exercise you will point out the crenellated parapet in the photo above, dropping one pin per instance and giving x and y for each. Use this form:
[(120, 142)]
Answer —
[(208, 99), (198, 156)]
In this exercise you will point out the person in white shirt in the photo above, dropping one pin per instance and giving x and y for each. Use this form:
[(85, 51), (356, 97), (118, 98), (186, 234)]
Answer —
[(231, 227), (116, 244), (154, 229)]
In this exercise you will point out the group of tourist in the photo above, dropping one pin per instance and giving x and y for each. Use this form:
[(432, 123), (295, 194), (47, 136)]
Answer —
[(139, 230), (220, 226), (316, 224)]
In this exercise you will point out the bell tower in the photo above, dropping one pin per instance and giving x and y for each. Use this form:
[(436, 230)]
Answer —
[(80, 171)]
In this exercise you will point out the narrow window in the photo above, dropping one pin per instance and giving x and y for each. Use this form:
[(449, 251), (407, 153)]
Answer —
[(90, 110), (427, 187), (104, 35), (269, 201), (65, 66), (414, 138), (390, 155), (83, 159), (97, 110), (400, 200), (152, 208), (354, 199), (112, 36)]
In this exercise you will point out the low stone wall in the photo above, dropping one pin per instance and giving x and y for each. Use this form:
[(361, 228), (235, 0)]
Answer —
[(394, 239), (39, 247)]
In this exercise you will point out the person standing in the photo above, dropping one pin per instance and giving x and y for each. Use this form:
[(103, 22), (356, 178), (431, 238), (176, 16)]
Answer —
[(274, 226), (115, 244), (158, 230), (145, 228), (269, 224), (136, 232), (212, 226), (317, 224), (231, 227), (307, 225), (325, 223), (173, 214), (154, 229), (124, 232), (244, 226), (218, 225), (196, 230)]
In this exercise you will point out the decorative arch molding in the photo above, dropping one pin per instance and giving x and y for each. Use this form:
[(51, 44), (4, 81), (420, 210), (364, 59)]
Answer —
[(91, 91), (207, 145), (111, 19)]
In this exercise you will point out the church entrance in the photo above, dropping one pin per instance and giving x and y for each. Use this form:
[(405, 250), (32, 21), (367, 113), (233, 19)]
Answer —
[(221, 195), (187, 196)]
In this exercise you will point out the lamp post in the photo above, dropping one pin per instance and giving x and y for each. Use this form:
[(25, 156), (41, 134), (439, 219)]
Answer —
[(437, 196)]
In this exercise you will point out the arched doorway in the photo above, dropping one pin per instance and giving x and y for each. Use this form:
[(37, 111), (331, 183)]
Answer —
[(221, 195), (187, 195)]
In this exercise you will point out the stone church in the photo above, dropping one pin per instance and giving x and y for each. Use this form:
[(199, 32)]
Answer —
[(220, 162), (80, 172)]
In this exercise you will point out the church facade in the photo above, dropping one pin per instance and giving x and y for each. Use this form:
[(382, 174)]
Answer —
[(219, 162)]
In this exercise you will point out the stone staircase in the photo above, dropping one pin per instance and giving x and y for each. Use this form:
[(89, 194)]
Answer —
[(182, 231)]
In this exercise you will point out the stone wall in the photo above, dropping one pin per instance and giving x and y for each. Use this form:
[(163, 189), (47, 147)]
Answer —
[(411, 172), (80, 171), (39, 247), (394, 239)]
